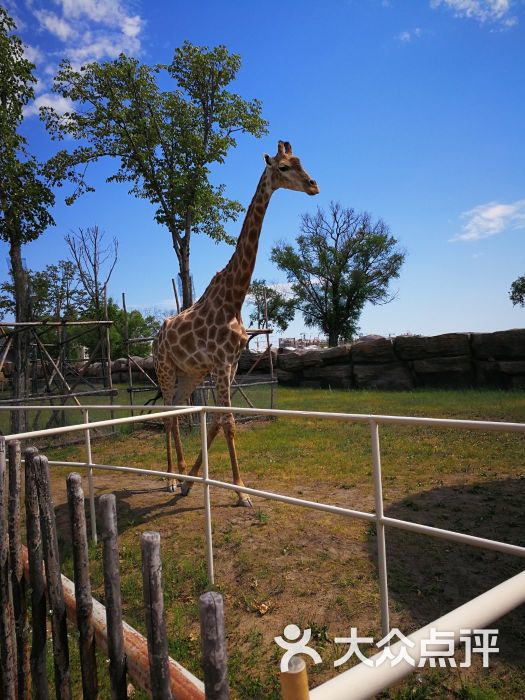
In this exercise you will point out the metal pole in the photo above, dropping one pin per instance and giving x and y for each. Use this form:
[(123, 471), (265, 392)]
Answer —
[(89, 461), (380, 529), (207, 504)]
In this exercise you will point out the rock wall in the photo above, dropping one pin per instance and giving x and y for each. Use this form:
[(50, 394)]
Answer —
[(451, 360)]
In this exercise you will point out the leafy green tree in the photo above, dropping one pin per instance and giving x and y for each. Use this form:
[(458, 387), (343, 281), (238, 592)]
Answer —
[(342, 260), (517, 291), (25, 197), (165, 141), (54, 293), (139, 326), (269, 303)]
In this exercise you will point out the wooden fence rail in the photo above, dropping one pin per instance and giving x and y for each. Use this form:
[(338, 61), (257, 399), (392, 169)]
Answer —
[(35, 571)]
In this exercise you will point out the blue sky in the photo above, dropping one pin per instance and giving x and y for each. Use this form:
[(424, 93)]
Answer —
[(413, 110)]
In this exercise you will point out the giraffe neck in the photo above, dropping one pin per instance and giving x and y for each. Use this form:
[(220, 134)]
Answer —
[(236, 277)]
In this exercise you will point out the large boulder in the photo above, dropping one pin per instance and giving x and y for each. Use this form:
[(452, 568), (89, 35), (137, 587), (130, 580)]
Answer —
[(288, 378), (444, 345), (373, 351), (291, 361), (339, 355), (147, 364), (336, 376), (445, 372), (119, 365), (500, 345), (386, 376), (488, 374)]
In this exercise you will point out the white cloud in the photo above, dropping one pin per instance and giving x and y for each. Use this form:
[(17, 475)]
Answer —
[(32, 53), (493, 11), (490, 219), (88, 30), (59, 103), (92, 30), (55, 25), (407, 36)]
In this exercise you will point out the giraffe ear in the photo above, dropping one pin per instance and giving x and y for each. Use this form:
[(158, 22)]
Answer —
[(267, 159), (287, 147)]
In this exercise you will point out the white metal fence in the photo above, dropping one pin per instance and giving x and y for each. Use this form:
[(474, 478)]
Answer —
[(361, 681)]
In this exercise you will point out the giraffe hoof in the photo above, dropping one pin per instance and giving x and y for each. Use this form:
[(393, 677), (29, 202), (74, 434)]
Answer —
[(244, 502), (171, 487), (184, 488)]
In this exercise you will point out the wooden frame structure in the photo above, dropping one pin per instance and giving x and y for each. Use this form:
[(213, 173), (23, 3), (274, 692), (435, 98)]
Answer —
[(51, 375)]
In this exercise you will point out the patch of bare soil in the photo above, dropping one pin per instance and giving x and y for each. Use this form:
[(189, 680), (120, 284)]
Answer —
[(276, 564)]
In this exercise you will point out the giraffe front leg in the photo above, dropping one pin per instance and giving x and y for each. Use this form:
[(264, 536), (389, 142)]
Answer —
[(223, 380), (169, 454), (228, 426), (212, 434), (181, 464)]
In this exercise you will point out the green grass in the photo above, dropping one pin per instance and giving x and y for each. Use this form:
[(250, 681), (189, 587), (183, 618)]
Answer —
[(277, 564)]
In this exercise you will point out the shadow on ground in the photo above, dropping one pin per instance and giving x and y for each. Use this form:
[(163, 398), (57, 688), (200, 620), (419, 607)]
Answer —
[(430, 577)]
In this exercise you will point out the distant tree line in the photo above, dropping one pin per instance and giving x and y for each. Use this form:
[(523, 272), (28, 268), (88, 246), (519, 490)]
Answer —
[(76, 290)]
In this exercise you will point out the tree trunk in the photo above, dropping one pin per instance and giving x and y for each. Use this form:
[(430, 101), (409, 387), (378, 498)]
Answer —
[(184, 262), (21, 345), (333, 338)]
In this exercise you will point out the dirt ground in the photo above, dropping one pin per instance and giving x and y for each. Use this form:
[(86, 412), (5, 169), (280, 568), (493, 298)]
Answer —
[(276, 565)]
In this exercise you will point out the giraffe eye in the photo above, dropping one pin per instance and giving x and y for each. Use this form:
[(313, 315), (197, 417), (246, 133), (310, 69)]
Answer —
[(283, 168)]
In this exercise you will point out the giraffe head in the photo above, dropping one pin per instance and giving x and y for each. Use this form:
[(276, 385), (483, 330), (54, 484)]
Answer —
[(286, 171)]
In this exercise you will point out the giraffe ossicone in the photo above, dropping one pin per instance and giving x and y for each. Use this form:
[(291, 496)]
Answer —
[(209, 336)]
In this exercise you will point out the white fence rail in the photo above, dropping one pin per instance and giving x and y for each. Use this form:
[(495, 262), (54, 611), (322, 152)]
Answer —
[(361, 681)]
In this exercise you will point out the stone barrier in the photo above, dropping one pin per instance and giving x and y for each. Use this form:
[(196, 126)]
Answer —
[(450, 360)]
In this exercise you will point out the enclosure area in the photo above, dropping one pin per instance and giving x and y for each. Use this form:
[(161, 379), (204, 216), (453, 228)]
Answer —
[(277, 564)]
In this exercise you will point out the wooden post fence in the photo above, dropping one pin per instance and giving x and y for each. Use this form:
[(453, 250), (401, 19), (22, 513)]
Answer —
[(53, 578), (214, 656), (36, 580), (7, 622), (164, 679), (117, 657), (84, 601), (17, 573), (154, 613)]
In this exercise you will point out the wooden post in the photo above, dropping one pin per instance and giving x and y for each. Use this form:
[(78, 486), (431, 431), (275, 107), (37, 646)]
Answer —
[(117, 658), (18, 583), (7, 623), (128, 355), (214, 656), (83, 599), (294, 682), (154, 614), (108, 353), (53, 579), (36, 580)]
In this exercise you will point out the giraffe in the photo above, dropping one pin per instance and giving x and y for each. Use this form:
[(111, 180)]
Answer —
[(208, 337)]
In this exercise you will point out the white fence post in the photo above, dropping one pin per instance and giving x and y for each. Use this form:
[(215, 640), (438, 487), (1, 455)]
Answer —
[(89, 461), (207, 504), (380, 529)]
